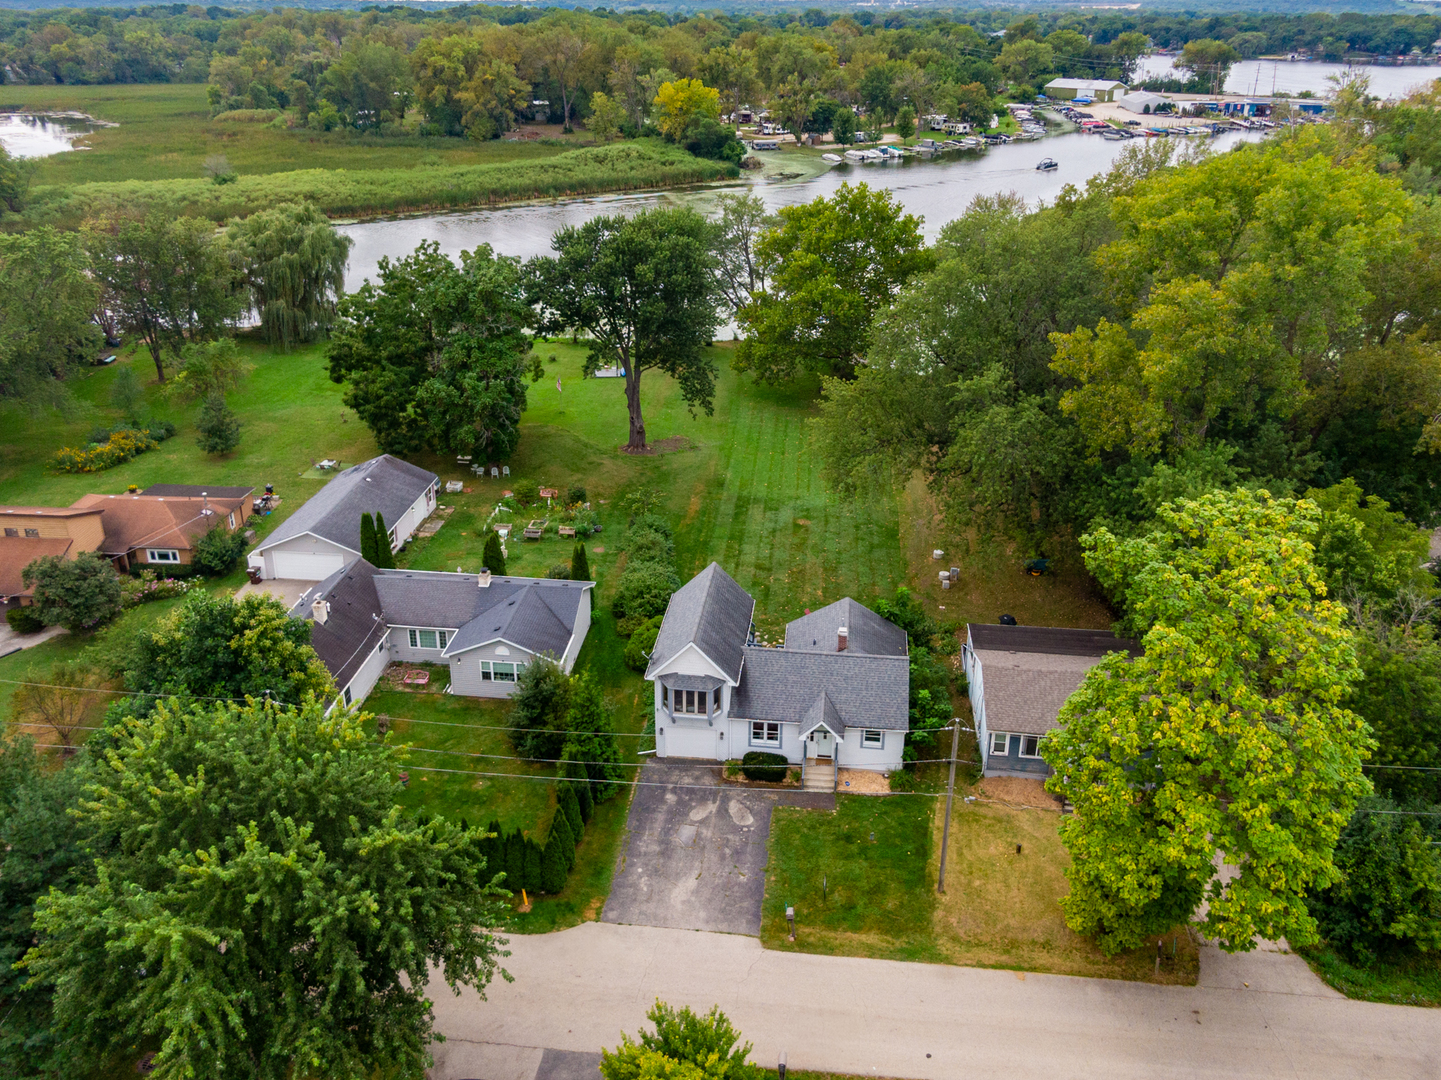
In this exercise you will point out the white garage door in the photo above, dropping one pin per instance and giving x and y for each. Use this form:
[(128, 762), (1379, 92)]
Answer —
[(305, 565)]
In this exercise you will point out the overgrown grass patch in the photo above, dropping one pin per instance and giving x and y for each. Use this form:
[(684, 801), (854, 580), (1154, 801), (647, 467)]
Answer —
[(1410, 981)]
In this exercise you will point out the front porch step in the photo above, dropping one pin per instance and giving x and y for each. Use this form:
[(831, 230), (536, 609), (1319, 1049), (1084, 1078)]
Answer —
[(819, 776)]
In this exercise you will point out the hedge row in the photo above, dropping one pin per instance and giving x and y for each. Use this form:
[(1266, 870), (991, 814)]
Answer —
[(541, 868)]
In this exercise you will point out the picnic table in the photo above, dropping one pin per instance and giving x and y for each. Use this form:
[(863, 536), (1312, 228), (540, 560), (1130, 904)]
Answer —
[(536, 528)]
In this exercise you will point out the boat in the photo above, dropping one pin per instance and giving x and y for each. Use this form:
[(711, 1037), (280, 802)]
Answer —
[(1047, 164), (856, 155), (834, 159)]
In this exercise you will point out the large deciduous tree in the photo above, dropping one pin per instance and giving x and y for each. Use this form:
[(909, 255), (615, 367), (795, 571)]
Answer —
[(435, 355), (1228, 735), (216, 646), (166, 279), (47, 300), (292, 261), (643, 287), (78, 594), (832, 264), (260, 906)]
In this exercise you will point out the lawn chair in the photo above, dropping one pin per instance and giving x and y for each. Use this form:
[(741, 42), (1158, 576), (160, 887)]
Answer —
[(505, 470)]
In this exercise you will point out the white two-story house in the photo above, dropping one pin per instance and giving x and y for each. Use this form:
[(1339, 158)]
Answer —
[(836, 695)]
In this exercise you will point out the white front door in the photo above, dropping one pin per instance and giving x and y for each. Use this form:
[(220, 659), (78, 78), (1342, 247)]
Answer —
[(823, 744)]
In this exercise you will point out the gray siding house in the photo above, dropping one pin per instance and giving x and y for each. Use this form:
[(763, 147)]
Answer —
[(837, 694), (486, 628), (1019, 677), (323, 536)]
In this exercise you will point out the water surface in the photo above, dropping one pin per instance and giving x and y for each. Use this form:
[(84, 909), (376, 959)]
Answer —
[(938, 191), (33, 135)]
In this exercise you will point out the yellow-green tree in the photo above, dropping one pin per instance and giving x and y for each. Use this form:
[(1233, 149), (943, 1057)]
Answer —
[(1236, 280), (606, 115), (681, 103), (1228, 735)]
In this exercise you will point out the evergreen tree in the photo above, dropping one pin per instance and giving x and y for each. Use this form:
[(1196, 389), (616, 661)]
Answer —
[(579, 566), (591, 738), (492, 847), (570, 805), (218, 427), (553, 867), (384, 557), (494, 557), (367, 538), (576, 771), (514, 861), (534, 857)]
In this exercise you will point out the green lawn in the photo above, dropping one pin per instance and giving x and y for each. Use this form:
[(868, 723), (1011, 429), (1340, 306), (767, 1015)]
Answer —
[(165, 132), (863, 883)]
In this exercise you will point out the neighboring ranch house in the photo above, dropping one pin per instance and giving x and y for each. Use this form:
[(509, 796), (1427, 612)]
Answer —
[(1094, 89), (836, 695), (1019, 677), (486, 628), (28, 533), (323, 536)]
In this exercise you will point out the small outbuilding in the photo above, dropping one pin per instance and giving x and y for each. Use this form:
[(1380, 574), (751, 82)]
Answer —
[(1141, 101), (1094, 89)]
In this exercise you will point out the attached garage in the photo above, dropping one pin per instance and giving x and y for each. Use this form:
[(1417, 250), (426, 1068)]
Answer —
[(306, 565)]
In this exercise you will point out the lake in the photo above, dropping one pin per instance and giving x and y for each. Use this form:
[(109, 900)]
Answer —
[(937, 191), (1298, 76), (28, 135)]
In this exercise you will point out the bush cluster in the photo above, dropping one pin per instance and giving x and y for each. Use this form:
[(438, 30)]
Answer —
[(650, 577), (25, 620), (538, 867), (149, 586), (118, 447)]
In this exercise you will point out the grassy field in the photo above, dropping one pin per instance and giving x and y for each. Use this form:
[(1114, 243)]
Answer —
[(155, 157), (165, 132), (877, 859)]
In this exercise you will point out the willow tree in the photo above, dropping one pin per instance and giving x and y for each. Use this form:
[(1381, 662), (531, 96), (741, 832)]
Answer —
[(292, 261)]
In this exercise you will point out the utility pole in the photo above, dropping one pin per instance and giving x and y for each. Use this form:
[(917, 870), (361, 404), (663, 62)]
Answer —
[(950, 794)]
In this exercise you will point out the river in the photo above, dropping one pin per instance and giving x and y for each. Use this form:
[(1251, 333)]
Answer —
[(936, 191), (28, 135), (1298, 76)]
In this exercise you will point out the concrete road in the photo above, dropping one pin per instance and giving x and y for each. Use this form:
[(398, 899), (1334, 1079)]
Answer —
[(578, 989), (695, 853)]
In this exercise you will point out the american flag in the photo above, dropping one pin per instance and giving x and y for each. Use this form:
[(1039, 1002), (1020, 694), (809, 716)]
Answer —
[(557, 384)]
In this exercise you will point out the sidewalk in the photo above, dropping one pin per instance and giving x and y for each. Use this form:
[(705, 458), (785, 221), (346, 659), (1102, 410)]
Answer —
[(578, 989)]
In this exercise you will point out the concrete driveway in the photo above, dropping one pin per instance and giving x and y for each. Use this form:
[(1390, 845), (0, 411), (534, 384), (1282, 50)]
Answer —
[(695, 851), (287, 590)]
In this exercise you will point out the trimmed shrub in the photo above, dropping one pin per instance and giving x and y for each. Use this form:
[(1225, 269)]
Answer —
[(764, 766), (534, 858), (642, 641), (647, 545), (367, 538), (559, 572), (514, 861), (384, 557), (25, 620), (576, 771), (527, 492), (653, 523)]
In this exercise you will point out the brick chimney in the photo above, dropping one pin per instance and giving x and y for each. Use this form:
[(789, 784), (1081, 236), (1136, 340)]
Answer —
[(321, 610), (482, 579), (841, 639)]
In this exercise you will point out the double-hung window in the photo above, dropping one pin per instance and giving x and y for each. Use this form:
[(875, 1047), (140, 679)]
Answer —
[(1000, 743), (427, 639), (873, 740), (162, 555), (765, 733), (498, 671), (1030, 746), (34, 534)]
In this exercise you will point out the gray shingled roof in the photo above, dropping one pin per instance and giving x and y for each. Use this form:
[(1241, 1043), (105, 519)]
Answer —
[(866, 632), (383, 484), (822, 711), (1056, 640), (537, 614), (691, 682), (784, 684), (355, 623), (1024, 691), (712, 612)]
